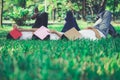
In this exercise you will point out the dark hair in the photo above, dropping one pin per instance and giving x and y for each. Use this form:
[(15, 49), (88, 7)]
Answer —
[(36, 9)]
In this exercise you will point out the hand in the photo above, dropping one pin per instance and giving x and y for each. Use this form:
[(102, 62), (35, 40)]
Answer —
[(34, 16)]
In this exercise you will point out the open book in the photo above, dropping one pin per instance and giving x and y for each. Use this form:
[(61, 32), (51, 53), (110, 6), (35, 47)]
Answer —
[(15, 33), (42, 32), (72, 34)]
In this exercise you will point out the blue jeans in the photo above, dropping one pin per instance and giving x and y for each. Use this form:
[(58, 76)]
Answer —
[(104, 26), (112, 31)]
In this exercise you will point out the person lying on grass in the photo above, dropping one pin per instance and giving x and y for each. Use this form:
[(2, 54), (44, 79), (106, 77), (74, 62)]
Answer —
[(103, 22)]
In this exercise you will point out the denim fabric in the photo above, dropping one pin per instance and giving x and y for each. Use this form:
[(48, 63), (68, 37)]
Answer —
[(104, 26)]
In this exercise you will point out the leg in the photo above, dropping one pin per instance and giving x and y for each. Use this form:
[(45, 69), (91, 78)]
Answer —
[(112, 31), (104, 25), (38, 22), (45, 19)]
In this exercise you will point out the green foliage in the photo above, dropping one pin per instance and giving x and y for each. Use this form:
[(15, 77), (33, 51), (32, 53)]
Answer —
[(19, 15), (75, 5), (41, 7)]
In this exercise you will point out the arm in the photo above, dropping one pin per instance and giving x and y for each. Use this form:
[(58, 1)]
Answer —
[(101, 9), (36, 11), (102, 6), (34, 16), (103, 3), (32, 29), (98, 22), (56, 32)]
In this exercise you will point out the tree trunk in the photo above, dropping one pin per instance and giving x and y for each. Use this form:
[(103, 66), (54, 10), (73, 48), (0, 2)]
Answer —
[(114, 10), (83, 9), (1, 9)]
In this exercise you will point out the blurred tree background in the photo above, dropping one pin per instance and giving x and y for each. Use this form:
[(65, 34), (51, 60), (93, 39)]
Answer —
[(21, 10), (1, 11)]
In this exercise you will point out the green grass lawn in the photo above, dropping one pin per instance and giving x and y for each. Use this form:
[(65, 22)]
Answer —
[(59, 60)]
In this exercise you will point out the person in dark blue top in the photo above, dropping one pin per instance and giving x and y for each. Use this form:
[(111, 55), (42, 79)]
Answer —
[(70, 22), (41, 19)]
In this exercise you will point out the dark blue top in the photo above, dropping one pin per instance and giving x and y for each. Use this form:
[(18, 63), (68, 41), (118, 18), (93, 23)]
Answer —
[(70, 22), (41, 20)]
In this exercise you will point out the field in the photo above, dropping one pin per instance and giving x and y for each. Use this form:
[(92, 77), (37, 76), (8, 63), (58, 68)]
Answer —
[(59, 60)]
